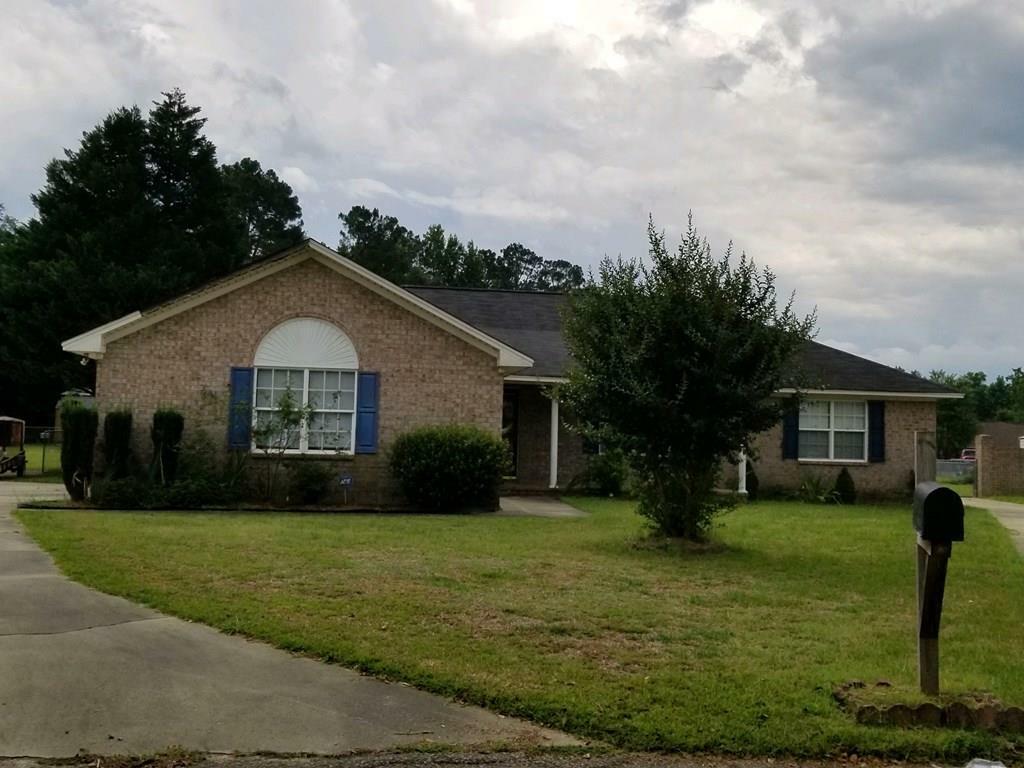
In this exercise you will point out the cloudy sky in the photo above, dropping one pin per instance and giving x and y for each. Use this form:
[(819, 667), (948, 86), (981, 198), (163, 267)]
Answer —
[(870, 152)]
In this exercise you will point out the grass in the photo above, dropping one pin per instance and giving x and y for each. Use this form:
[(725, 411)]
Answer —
[(38, 456), (1016, 499), (570, 623), (964, 489)]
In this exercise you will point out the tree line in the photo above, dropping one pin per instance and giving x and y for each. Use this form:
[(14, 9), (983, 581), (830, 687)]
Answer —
[(383, 245), (141, 211), (1001, 399)]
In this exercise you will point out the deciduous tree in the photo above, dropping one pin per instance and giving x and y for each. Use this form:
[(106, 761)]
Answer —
[(676, 360)]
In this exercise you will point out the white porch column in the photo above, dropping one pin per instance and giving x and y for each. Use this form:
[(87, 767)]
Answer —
[(553, 465), (741, 473)]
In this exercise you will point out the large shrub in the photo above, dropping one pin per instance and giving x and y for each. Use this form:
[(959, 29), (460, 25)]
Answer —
[(168, 426), (117, 443), (451, 468), (675, 361), (76, 452)]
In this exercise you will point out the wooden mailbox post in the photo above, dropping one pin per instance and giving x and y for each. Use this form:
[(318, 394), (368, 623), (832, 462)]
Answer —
[(939, 521)]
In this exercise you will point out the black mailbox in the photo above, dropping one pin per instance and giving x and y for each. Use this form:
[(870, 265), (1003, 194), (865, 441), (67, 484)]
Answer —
[(938, 513)]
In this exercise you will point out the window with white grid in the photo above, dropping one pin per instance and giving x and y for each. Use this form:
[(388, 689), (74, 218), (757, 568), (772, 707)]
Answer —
[(833, 430)]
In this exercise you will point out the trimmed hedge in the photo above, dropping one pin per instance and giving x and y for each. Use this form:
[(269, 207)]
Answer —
[(139, 493), (168, 426), (76, 451), (845, 490), (117, 443), (451, 468)]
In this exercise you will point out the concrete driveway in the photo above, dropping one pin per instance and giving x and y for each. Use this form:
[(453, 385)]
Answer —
[(80, 670)]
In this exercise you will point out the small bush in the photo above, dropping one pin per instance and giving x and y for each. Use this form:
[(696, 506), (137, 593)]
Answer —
[(606, 474), (451, 468), (753, 483), (117, 443), (76, 451), (814, 490), (123, 493), (140, 493), (845, 490), (309, 482), (193, 493), (168, 426)]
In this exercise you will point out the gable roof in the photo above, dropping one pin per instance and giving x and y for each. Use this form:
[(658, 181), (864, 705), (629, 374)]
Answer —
[(93, 343), (531, 322), (835, 370)]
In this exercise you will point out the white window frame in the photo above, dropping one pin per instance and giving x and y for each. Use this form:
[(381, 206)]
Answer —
[(304, 448), (831, 434)]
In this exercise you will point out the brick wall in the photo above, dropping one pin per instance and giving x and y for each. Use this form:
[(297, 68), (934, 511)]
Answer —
[(889, 478), (427, 376), (999, 466), (534, 443)]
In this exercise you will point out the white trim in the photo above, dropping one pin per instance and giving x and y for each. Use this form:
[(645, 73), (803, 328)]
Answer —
[(90, 343), (859, 394), (521, 379), (306, 342), (93, 343), (508, 357), (821, 394), (553, 455), (202, 296)]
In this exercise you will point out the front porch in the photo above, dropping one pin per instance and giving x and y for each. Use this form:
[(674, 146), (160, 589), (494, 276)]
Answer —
[(546, 455)]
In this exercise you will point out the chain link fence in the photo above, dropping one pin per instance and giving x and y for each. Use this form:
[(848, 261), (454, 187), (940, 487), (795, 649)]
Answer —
[(42, 451)]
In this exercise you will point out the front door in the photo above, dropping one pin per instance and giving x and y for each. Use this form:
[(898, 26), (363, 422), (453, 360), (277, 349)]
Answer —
[(510, 428)]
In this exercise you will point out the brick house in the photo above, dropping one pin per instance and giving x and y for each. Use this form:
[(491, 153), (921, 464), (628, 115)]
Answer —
[(375, 360)]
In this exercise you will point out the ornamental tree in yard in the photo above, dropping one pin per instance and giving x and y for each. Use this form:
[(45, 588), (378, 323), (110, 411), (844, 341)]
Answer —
[(676, 360)]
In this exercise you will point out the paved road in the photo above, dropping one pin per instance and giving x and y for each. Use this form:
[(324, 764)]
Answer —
[(1010, 515), (80, 670)]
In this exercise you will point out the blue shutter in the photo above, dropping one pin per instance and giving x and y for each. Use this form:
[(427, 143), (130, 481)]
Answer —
[(240, 409), (791, 432), (876, 431), (368, 397)]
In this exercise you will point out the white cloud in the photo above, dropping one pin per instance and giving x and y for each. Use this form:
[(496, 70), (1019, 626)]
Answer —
[(301, 182), (821, 136)]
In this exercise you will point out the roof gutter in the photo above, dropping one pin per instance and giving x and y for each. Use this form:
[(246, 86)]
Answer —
[(876, 395)]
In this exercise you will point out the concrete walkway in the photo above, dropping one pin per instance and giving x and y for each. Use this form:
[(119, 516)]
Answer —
[(80, 670), (537, 506), (1009, 514)]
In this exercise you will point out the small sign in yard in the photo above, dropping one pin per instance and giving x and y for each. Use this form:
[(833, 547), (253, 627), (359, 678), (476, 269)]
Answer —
[(346, 482)]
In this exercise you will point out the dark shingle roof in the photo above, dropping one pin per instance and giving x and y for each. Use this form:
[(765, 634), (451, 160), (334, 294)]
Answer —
[(831, 368), (531, 322), (525, 320)]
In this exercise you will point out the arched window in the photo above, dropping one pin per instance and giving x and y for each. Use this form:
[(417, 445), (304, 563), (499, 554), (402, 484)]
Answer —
[(315, 363)]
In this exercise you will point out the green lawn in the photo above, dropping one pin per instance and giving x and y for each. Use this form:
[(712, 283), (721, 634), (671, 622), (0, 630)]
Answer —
[(964, 489), (570, 623), (1014, 499), (43, 464)]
